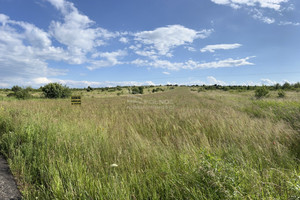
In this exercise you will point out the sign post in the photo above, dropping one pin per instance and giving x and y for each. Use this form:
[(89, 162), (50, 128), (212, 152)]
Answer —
[(76, 100)]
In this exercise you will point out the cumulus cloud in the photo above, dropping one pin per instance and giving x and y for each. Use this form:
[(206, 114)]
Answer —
[(212, 81), (77, 31), (164, 39), (123, 40), (24, 50), (266, 81), (110, 59), (272, 4), (213, 48)]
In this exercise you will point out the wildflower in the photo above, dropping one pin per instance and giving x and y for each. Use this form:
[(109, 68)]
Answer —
[(114, 165)]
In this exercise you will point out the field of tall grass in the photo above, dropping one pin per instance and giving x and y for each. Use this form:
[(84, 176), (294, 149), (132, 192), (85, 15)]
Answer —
[(177, 144)]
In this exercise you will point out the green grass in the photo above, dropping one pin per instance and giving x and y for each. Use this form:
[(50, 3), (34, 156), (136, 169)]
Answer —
[(170, 145)]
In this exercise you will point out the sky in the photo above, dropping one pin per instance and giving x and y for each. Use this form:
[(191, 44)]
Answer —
[(102, 43)]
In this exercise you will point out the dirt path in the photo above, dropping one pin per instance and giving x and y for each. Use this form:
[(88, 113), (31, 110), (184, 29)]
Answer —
[(8, 187)]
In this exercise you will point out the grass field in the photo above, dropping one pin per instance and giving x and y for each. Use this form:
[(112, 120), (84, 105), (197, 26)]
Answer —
[(178, 144)]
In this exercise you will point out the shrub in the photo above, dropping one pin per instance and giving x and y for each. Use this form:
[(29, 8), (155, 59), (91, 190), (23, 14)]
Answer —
[(89, 88), (23, 94), (281, 94), (201, 89), (157, 90), (137, 90), (16, 88), (20, 93), (56, 90), (12, 94), (261, 92)]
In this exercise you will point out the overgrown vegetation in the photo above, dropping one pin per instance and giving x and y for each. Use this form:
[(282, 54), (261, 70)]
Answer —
[(175, 144)]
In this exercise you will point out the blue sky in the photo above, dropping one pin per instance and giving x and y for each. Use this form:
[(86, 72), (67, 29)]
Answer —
[(141, 42)]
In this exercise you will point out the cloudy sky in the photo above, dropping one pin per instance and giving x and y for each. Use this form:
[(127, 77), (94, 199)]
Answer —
[(98, 43)]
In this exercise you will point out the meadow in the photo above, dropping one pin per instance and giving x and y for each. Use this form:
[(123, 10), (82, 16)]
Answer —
[(176, 144)]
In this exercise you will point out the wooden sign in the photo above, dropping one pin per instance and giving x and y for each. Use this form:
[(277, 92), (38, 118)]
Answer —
[(76, 100)]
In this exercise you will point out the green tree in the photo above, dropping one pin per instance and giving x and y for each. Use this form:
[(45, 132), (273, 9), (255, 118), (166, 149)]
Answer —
[(56, 90), (286, 85)]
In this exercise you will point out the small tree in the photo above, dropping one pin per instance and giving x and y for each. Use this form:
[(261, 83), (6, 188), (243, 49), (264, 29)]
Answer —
[(261, 92), (56, 90), (286, 85)]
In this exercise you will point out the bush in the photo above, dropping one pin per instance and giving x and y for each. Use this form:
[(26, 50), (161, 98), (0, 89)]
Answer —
[(281, 94), (261, 92), (20, 93), (137, 90), (89, 88), (56, 90), (23, 94), (16, 88), (201, 89)]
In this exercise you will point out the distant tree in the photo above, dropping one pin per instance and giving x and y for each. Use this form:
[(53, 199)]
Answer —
[(286, 85), (137, 90), (89, 89), (118, 88), (277, 86), (297, 85), (56, 90), (16, 88)]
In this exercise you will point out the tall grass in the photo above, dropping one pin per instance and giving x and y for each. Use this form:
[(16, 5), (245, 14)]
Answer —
[(171, 145)]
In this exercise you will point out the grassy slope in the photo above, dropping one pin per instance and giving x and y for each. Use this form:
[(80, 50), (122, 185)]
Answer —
[(171, 145)]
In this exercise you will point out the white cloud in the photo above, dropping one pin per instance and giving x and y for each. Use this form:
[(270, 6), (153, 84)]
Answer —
[(192, 49), (272, 4), (77, 31), (3, 18), (167, 73), (24, 50), (258, 14), (110, 59), (212, 48), (165, 64), (212, 80), (267, 82), (164, 39), (285, 23), (124, 40), (81, 84)]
